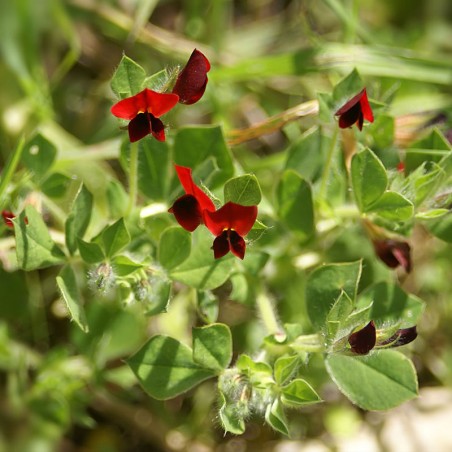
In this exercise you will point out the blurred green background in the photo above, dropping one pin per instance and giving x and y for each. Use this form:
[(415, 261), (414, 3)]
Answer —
[(57, 58)]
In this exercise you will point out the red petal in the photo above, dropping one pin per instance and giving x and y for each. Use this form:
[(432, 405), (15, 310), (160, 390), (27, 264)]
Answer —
[(130, 107), (352, 102), (187, 212), (139, 127), (394, 253), (365, 107), (363, 341), (157, 128), (237, 244), (185, 177), (159, 103), (221, 245), (192, 81), (7, 217), (231, 216)]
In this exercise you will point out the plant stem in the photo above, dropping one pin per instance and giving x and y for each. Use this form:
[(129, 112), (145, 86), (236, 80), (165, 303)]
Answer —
[(327, 167), (311, 343), (11, 166), (268, 314), (133, 177)]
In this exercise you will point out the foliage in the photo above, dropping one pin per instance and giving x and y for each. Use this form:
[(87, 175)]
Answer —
[(109, 303)]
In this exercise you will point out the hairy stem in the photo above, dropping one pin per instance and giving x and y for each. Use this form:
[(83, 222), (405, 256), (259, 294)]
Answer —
[(133, 177), (268, 314)]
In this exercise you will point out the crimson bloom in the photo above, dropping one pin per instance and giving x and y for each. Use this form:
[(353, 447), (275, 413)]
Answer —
[(192, 80), (364, 340), (189, 208), (393, 253), (144, 110), (8, 216), (355, 111), (229, 225)]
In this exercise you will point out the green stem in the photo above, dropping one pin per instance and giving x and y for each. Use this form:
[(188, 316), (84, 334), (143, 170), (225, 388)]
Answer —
[(268, 314), (11, 166), (133, 177), (328, 163), (311, 343)]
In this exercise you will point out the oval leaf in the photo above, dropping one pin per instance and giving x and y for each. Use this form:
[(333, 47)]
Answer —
[(379, 381), (212, 346), (174, 247), (165, 368), (243, 190), (369, 179), (295, 206), (392, 206)]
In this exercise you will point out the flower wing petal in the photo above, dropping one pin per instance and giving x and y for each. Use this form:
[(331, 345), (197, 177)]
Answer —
[(221, 245), (351, 103), (157, 128), (237, 244), (363, 341), (139, 127)]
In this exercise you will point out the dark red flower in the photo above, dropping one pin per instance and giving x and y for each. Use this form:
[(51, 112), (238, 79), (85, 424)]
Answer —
[(189, 208), (401, 337), (363, 341), (191, 82), (393, 253), (143, 111), (229, 225), (8, 216), (355, 111)]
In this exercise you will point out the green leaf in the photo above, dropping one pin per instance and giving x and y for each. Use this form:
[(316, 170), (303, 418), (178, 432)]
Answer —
[(115, 237), (78, 219), (67, 283), (212, 346), (369, 179), (441, 227), (165, 368), (56, 185), (90, 252), (38, 155), (347, 88), (391, 304), (286, 368), (304, 155), (159, 297), (431, 148), (124, 266), (208, 306), (174, 247), (243, 190), (201, 270), (117, 198), (157, 81), (299, 393), (379, 381), (326, 284), (128, 78), (392, 206), (382, 130), (295, 206), (153, 167), (194, 145), (275, 417), (34, 246), (232, 422)]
